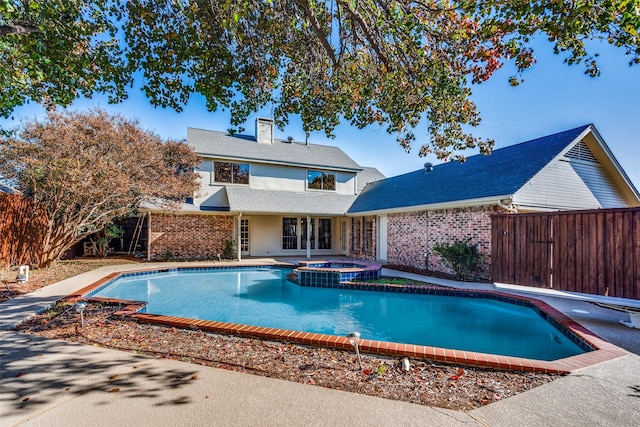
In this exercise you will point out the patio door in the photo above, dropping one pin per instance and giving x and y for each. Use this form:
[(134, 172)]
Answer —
[(244, 236), (344, 237)]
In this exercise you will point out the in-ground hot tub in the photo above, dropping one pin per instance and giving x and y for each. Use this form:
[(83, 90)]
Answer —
[(322, 273)]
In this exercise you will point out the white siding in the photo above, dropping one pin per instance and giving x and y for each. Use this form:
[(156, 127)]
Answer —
[(270, 177), (206, 173), (345, 183), (206, 165), (565, 184), (600, 184), (283, 178)]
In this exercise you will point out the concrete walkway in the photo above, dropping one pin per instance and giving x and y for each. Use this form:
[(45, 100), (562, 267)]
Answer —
[(54, 383)]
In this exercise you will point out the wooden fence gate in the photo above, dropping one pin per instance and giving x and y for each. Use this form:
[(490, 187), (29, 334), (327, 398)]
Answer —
[(594, 252)]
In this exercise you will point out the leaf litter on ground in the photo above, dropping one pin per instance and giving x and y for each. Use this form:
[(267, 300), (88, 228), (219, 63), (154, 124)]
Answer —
[(426, 382)]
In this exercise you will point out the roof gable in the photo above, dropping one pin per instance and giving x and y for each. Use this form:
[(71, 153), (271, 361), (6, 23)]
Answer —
[(367, 176), (215, 144), (497, 175)]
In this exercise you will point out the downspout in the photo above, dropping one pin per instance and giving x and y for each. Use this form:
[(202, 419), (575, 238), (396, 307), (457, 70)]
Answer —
[(239, 235), (308, 237), (149, 236)]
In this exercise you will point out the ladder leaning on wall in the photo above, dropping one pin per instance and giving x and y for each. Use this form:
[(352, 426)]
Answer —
[(137, 232)]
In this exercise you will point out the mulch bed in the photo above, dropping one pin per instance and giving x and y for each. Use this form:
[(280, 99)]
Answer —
[(426, 383)]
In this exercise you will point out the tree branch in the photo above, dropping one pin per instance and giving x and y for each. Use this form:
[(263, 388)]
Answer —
[(20, 30), (304, 4), (373, 44)]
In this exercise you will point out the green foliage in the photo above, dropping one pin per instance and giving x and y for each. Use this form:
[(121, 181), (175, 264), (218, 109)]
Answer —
[(54, 51), (396, 281), (392, 63), (103, 238), (229, 250), (461, 256)]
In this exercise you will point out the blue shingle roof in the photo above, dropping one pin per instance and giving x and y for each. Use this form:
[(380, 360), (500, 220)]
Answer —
[(502, 173)]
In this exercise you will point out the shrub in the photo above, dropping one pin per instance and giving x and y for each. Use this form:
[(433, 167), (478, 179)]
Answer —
[(461, 256), (229, 250)]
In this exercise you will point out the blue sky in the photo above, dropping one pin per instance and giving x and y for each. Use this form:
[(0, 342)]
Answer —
[(553, 98)]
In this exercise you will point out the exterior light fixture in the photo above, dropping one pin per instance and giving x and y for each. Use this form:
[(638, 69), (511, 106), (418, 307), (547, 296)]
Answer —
[(79, 308), (354, 340)]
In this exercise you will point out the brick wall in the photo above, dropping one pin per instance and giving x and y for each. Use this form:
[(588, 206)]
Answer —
[(407, 239), (411, 236), (189, 236)]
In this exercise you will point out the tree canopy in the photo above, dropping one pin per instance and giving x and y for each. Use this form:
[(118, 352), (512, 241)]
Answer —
[(87, 169), (395, 63)]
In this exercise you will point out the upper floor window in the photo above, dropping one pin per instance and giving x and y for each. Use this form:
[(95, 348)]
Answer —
[(317, 180), (233, 173)]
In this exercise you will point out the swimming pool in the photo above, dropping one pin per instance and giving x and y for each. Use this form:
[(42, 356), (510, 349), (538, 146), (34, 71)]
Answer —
[(263, 297)]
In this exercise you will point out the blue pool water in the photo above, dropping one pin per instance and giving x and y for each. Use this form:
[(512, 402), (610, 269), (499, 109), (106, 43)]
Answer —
[(263, 297)]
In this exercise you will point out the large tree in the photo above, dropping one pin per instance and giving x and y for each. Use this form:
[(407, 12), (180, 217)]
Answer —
[(364, 61), (87, 169)]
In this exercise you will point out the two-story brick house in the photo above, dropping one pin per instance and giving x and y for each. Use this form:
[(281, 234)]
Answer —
[(273, 197), (278, 198)]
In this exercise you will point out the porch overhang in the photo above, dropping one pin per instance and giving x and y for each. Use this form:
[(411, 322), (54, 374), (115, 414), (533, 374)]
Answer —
[(250, 201)]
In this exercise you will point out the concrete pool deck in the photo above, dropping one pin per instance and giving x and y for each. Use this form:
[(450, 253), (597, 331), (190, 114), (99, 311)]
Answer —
[(69, 384)]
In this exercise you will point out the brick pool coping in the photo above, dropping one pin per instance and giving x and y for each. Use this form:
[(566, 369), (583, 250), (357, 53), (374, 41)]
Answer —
[(602, 350)]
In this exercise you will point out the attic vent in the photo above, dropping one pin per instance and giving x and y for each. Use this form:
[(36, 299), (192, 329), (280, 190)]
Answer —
[(580, 151)]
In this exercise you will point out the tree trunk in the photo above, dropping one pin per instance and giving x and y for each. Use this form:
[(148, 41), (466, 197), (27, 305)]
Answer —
[(6, 30)]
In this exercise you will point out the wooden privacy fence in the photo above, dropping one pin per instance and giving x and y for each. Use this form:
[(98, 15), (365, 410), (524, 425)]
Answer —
[(594, 252), (21, 231)]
